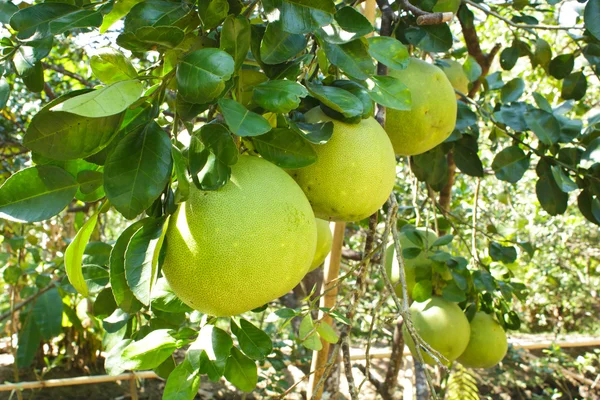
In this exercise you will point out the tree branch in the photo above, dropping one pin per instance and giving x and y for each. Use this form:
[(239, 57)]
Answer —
[(62, 71)]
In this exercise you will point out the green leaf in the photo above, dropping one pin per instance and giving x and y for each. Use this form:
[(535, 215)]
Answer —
[(36, 194), (349, 25), (338, 99), (201, 75), (149, 38), (541, 102), (113, 362), (390, 92), (574, 86), (564, 181), (165, 299), (431, 167), (279, 96), (591, 52), (105, 304), (211, 154), (443, 240), (542, 54), (512, 90), (352, 58), (156, 13), (138, 169), (4, 92), (241, 121), (29, 53), (361, 94), (562, 65), (241, 371), (34, 22), (389, 51), (510, 164), (318, 133), (28, 342), (78, 19), (509, 57), (183, 183), (411, 253), (285, 148), (215, 342), (552, 199), (74, 255), (183, 382), (327, 333), (453, 293), (110, 66), (422, 290), (589, 206), (466, 158), (235, 38), (110, 100), (300, 19), (544, 125), (327, 6), (472, 69), (141, 258), (212, 13), (255, 343), (309, 340), (118, 11), (591, 17), (7, 10), (504, 254), (47, 312), (278, 46), (123, 295), (430, 38), (34, 79), (149, 352)]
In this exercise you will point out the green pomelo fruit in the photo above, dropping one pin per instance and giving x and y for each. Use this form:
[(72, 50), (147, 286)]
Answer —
[(457, 77), (354, 173), (234, 249), (410, 265), (488, 343), (433, 115), (324, 240), (442, 325)]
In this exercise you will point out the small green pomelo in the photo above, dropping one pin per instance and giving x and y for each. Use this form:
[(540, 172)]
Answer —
[(442, 325), (488, 343), (456, 75), (433, 115), (234, 249), (354, 173), (410, 265), (324, 240)]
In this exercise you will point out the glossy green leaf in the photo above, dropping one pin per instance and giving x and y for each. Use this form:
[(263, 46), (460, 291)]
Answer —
[(165, 299), (105, 304), (96, 277), (201, 75), (512, 90), (212, 13), (318, 133), (431, 167), (34, 21), (255, 343), (562, 65), (34, 79), (241, 371), (541, 102), (151, 38), (300, 19), (308, 334), (509, 57), (285, 148), (562, 179), (48, 312), (591, 52), (141, 258), (110, 100), (390, 92), (123, 295), (118, 11), (510, 164), (183, 183), (338, 99), (74, 255), (552, 199), (453, 293), (138, 169), (542, 54), (183, 382), (591, 17), (389, 51), (7, 10), (215, 342), (430, 38), (353, 58), (79, 19), (466, 158), (28, 342), (323, 5), (4, 93), (29, 53), (241, 121), (278, 46), (36, 193), (348, 25), (589, 206), (505, 254), (149, 352), (279, 96), (574, 86), (156, 13), (544, 125), (235, 38), (472, 69)]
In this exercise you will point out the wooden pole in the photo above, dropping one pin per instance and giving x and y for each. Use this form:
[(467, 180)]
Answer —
[(330, 274), (369, 12)]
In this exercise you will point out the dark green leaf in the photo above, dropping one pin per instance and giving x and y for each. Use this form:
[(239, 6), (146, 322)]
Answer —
[(551, 198), (212, 13), (562, 65), (390, 92), (183, 183), (352, 58), (544, 125), (504, 254), (7, 10), (241, 121), (156, 13), (318, 133), (360, 92), (255, 343), (512, 90), (278, 46), (564, 181), (443, 240), (279, 96), (138, 169), (338, 99), (29, 341), (4, 92), (285, 148), (513, 115), (453, 293), (591, 17), (542, 102), (349, 24), (589, 206), (465, 118), (79, 19), (509, 57), (472, 69), (494, 81), (323, 5), (466, 158), (411, 252), (183, 382), (105, 304), (241, 371), (151, 38), (201, 75), (235, 38), (34, 80), (47, 312), (301, 18), (574, 86), (389, 51), (510, 164), (542, 54), (592, 53), (29, 53), (34, 22), (431, 167), (430, 38), (36, 193)]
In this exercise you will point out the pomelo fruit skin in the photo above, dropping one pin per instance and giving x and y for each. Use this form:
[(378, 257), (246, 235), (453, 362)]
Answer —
[(456, 75), (354, 173), (324, 241), (488, 343), (234, 249), (441, 324), (410, 265), (433, 115)]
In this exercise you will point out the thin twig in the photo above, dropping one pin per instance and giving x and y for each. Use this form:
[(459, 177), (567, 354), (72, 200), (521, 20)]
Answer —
[(61, 70)]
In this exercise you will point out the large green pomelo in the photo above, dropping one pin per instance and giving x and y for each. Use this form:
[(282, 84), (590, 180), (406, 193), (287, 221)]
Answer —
[(410, 265), (456, 75), (441, 324), (324, 241), (354, 173), (488, 343), (234, 249), (433, 115)]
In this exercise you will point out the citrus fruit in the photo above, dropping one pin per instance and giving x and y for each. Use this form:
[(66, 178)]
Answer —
[(488, 343), (234, 249), (442, 325), (433, 114), (456, 75), (324, 239), (354, 173)]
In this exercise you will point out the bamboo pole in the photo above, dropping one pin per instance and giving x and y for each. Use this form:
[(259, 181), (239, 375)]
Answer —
[(330, 274), (369, 12)]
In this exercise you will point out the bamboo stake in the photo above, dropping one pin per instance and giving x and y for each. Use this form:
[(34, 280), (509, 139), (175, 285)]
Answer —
[(330, 274), (369, 12)]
